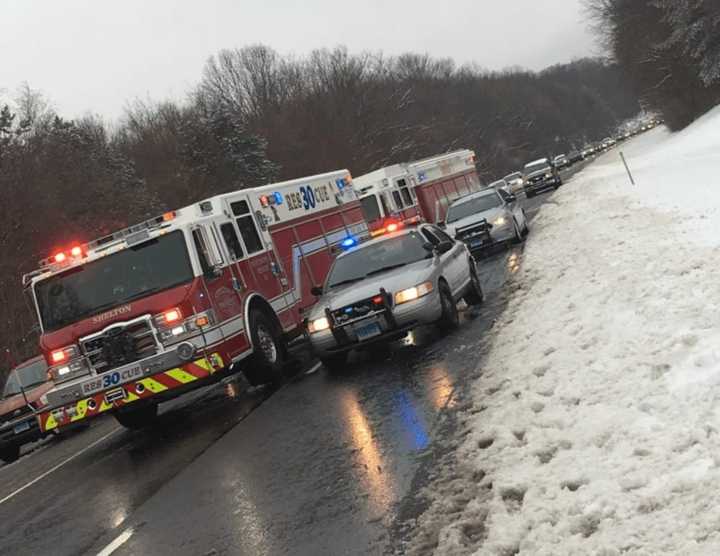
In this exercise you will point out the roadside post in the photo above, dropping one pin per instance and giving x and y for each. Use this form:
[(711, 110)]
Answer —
[(627, 168)]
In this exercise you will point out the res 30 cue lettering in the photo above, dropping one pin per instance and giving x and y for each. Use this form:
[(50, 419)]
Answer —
[(307, 197)]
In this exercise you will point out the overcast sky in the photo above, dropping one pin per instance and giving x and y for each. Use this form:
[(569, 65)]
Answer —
[(95, 55)]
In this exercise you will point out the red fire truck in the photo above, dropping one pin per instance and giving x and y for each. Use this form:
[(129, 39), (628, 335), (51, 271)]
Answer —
[(420, 190), (150, 312)]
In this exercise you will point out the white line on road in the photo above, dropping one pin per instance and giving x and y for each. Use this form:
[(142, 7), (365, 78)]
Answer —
[(117, 543), (313, 369), (59, 465)]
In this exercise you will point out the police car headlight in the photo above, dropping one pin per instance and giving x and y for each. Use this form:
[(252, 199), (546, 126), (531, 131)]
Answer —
[(500, 221), (411, 294), (318, 325), (548, 175)]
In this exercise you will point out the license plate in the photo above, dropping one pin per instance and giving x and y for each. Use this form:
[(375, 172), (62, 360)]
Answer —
[(22, 427), (113, 378), (477, 242), (367, 330)]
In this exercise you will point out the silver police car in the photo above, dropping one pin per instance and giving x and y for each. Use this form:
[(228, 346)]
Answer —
[(487, 218), (379, 290)]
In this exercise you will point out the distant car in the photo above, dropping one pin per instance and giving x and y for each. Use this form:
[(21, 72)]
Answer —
[(22, 396), (574, 157), (561, 161), (379, 290), (501, 185), (516, 181), (588, 151), (540, 175), (485, 219)]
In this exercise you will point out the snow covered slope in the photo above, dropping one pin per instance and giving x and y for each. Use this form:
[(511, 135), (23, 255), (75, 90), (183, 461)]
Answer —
[(596, 423)]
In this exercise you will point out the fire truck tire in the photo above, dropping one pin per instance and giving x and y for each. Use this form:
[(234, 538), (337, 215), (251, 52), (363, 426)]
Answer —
[(265, 366), (335, 363), (137, 418), (449, 318), (10, 453)]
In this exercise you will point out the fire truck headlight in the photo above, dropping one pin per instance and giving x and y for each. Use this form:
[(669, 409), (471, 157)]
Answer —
[(68, 371), (318, 325)]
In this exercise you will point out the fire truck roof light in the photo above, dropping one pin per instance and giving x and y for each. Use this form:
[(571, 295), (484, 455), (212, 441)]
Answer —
[(60, 257), (168, 216), (76, 251), (278, 198)]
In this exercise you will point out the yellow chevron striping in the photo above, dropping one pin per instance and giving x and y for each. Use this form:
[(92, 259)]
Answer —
[(50, 423), (204, 364), (181, 376), (153, 385), (80, 411), (104, 406)]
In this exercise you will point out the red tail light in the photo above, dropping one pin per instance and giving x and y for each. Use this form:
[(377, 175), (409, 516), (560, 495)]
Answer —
[(393, 227)]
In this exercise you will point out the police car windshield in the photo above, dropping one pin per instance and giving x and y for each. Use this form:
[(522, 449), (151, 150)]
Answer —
[(29, 376), (149, 267), (473, 206), (372, 259)]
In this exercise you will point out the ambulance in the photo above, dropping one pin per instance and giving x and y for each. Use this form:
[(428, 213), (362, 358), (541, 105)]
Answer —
[(150, 312), (416, 191)]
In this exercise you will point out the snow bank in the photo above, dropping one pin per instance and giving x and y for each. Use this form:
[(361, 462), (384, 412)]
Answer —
[(596, 422)]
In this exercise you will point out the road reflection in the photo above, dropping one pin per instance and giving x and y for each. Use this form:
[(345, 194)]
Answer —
[(441, 387), (513, 263), (379, 483)]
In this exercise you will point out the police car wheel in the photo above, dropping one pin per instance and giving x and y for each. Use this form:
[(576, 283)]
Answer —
[(474, 295), (10, 453), (449, 317), (266, 364), (519, 236), (137, 418), (336, 362)]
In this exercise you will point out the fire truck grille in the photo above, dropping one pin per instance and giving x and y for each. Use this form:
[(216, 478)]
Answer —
[(120, 345)]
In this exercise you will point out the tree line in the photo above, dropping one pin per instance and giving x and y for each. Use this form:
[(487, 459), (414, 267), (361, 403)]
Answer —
[(669, 51), (256, 116)]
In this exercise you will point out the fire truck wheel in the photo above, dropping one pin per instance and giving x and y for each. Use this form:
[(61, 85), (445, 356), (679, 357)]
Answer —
[(10, 453), (449, 318), (335, 363), (266, 364), (137, 418)]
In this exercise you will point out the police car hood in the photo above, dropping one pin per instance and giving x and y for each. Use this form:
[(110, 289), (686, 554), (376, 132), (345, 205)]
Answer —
[(392, 281), (489, 215)]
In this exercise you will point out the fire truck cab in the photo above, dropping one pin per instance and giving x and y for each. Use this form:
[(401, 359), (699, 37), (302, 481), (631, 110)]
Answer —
[(150, 312), (416, 191)]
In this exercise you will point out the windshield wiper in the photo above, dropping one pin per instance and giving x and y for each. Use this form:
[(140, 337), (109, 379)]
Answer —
[(344, 282), (386, 269)]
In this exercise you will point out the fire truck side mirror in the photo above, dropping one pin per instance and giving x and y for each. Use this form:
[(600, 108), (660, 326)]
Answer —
[(317, 291)]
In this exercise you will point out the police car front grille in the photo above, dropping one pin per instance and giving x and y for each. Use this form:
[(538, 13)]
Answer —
[(354, 311), (470, 232), (120, 345)]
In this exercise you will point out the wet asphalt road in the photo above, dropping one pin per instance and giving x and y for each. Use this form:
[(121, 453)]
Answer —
[(320, 466)]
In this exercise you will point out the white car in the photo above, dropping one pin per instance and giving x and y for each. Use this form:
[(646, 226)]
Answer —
[(516, 181), (485, 219)]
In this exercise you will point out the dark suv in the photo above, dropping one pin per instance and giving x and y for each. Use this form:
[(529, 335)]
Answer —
[(540, 176), (21, 398)]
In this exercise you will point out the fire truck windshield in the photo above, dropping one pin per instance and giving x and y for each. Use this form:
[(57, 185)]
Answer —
[(370, 208), (135, 272)]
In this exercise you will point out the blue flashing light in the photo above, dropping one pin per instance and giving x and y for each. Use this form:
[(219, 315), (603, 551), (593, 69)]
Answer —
[(348, 310), (349, 242), (341, 183), (278, 198)]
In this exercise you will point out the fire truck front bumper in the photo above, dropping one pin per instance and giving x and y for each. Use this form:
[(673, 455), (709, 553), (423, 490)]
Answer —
[(141, 381)]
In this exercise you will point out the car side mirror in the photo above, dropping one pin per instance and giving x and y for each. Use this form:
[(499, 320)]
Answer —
[(317, 291), (444, 246), (511, 198)]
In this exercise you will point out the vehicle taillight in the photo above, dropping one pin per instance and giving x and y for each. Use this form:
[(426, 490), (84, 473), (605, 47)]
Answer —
[(392, 228)]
